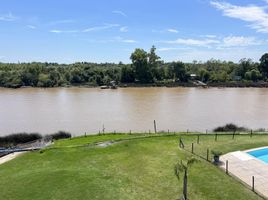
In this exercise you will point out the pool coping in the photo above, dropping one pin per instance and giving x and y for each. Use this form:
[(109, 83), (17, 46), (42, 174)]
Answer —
[(243, 166)]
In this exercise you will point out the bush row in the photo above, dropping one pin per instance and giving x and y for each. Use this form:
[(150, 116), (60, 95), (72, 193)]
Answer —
[(21, 138)]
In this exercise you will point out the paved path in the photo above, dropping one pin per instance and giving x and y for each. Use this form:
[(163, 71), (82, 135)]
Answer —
[(9, 157), (244, 166)]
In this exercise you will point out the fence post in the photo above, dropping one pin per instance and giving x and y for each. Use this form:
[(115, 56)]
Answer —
[(155, 127), (197, 139), (181, 143), (192, 148), (253, 184), (226, 167), (216, 136), (207, 154)]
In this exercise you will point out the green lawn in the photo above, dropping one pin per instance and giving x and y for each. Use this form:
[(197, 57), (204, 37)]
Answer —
[(140, 168)]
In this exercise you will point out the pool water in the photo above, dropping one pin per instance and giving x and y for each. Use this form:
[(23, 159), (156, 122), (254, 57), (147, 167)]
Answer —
[(261, 154)]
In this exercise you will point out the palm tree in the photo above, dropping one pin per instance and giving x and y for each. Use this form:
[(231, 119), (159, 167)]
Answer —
[(182, 167)]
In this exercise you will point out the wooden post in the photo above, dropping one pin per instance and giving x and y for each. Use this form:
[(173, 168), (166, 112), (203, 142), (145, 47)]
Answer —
[(251, 133), (216, 137), (155, 126), (226, 167), (197, 139), (207, 154), (253, 184), (192, 148)]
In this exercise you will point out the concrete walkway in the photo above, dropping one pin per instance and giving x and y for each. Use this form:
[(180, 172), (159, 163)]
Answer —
[(244, 166), (9, 157)]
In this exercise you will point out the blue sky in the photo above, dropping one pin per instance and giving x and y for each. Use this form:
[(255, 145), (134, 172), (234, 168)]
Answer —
[(67, 31)]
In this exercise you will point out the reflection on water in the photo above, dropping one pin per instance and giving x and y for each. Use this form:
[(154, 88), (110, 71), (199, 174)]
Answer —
[(80, 110)]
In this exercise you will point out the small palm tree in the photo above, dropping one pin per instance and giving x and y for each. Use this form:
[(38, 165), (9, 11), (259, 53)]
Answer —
[(182, 167)]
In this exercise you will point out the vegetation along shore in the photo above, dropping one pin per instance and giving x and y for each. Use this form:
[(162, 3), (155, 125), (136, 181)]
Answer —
[(146, 69)]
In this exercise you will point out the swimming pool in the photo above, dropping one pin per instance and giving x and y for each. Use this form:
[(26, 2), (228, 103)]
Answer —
[(261, 154)]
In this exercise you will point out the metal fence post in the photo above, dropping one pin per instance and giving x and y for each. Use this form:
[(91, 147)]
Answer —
[(226, 167), (253, 184)]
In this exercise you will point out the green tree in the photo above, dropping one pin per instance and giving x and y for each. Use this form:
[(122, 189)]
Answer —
[(154, 61), (204, 75), (253, 75), (139, 60), (264, 64), (127, 74), (183, 166), (179, 71)]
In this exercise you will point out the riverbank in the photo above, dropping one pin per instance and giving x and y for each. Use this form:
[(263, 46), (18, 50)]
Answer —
[(232, 84), (135, 168)]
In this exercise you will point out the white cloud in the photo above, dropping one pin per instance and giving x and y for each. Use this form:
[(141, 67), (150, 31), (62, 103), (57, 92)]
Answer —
[(171, 49), (8, 17), (171, 30), (194, 42), (210, 36), (129, 41), (256, 15), (99, 28), (219, 43), (235, 41), (123, 29), (63, 21), (63, 31), (120, 39), (119, 12), (31, 27), (222, 54)]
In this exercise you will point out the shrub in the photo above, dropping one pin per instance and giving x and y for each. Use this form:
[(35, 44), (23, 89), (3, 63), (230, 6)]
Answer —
[(61, 135), (230, 128), (19, 138)]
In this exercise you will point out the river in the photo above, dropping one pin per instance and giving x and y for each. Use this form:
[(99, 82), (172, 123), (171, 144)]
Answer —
[(80, 110)]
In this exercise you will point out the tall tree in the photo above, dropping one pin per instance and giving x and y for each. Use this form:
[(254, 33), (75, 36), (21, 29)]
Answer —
[(179, 70), (154, 61), (139, 60), (264, 64)]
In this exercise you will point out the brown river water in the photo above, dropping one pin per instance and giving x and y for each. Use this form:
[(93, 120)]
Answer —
[(80, 110)]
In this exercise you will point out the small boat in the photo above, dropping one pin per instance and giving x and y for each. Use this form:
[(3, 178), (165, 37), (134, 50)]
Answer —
[(104, 87)]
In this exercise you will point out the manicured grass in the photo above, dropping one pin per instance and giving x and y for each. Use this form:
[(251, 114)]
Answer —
[(131, 169), (91, 139)]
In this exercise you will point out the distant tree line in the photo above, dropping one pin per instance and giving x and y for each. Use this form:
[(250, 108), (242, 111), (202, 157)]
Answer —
[(146, 68)]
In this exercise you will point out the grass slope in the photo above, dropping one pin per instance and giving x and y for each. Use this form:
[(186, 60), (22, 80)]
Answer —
[(131, 169)]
